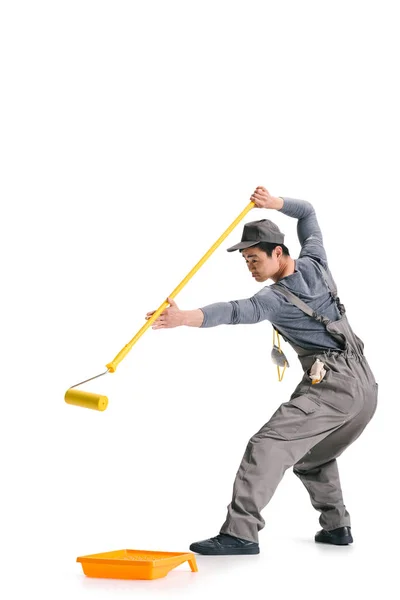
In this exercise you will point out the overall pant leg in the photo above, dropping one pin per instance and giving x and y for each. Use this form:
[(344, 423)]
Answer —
[(318, 469), (264, 463), (323, 485)]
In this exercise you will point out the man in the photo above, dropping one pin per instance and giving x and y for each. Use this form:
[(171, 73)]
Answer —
[(330, 407)]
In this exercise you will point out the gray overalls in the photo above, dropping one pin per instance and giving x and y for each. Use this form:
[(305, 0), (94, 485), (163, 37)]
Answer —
[(310, 431)]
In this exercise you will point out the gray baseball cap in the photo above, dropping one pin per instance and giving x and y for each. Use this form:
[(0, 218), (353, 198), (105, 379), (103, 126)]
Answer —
[(259, 231)]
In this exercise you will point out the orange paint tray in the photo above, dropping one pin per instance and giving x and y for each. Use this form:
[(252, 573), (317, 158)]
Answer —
[(134, 564)]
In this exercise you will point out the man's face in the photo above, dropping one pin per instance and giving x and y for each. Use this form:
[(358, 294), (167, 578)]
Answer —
[(260, 264)]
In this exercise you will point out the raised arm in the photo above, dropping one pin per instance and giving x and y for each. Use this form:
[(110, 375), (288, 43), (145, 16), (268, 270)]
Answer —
[(308, 230)]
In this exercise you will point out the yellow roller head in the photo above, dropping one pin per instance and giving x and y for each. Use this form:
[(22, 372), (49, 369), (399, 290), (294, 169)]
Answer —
[(86, 399)]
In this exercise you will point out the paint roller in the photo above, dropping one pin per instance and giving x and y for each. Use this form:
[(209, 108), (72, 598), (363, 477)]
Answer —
[(99, 402)]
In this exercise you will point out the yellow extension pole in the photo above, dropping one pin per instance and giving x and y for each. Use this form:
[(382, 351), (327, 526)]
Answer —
[(111, 366)]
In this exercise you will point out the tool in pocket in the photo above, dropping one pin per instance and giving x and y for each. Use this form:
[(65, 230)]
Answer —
[(317, 371)]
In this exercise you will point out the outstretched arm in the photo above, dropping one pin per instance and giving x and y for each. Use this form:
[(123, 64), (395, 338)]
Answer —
[(262, 306), (175, 317)]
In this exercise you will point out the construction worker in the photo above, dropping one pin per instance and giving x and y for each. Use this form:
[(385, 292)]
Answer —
[(332, 404)]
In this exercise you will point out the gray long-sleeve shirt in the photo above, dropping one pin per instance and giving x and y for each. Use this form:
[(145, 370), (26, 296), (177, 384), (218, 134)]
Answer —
[(306, 282)]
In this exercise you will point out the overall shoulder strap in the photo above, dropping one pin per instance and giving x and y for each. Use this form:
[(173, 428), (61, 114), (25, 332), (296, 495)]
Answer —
[(300, 304), (331, 285)]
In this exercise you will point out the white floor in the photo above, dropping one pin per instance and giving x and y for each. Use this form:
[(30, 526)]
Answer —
[(287, 567)]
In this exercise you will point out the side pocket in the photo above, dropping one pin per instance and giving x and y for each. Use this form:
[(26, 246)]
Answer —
[(305, 404), (291, 417)]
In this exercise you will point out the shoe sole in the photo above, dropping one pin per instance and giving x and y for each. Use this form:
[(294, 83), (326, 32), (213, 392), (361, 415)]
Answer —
[(223, 551), (345, 541)]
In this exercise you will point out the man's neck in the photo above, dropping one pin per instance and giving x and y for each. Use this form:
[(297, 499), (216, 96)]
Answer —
[(287, 268)]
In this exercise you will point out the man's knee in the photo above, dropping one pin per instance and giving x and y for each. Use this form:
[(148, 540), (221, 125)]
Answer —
[(307, 466)]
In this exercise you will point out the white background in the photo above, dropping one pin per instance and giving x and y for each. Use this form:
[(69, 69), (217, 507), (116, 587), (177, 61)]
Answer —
[(132, 135)]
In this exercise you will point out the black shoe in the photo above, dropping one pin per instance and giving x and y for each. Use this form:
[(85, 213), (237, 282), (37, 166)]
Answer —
[(225, 544), (340, 536)]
